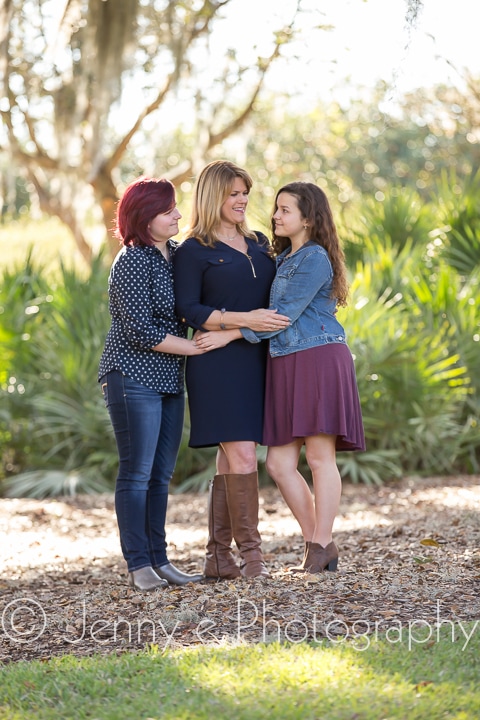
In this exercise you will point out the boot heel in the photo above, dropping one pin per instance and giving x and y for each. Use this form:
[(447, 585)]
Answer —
[(332, 565)]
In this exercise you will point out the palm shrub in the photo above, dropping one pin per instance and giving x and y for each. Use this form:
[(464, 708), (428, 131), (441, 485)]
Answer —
[(414, 367), (24, 301), (412, 323), (445, 302), (411, 384), (458, 236), (70, 446), (385, 233), (55, 433), (195, 467), (456, 245)]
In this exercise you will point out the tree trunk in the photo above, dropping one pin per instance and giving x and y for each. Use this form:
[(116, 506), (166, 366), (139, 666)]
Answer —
[(107, 198), (51, 205), (60, 95)]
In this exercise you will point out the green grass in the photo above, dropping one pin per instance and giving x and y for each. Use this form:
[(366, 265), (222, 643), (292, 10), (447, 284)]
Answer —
[(378, 678), (49, 240)]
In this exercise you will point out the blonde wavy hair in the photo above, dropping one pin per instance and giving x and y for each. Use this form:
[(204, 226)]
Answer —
[(213, 186)]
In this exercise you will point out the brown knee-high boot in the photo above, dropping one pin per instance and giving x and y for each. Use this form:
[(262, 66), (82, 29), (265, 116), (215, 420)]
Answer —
[(242, 499), (219, 561)]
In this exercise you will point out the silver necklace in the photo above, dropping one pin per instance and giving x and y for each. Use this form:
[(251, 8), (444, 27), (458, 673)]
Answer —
[(227, 237)]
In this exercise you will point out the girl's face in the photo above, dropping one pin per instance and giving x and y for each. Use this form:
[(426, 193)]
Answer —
[(234, 208), (288, 219), (164, 225)]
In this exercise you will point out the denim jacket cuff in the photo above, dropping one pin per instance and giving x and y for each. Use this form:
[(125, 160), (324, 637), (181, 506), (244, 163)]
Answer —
[(249, 335)]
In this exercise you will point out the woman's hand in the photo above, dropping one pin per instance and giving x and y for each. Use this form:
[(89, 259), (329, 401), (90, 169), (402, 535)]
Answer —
[(215, 339), (195, 349), (175, 345), (263, 320)]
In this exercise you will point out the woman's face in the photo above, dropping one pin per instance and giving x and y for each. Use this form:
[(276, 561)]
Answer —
[(288, 219), (164, 225), (234, 207)]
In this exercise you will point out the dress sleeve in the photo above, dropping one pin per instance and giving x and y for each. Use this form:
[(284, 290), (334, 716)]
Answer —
[(130, 293), (188, 280)]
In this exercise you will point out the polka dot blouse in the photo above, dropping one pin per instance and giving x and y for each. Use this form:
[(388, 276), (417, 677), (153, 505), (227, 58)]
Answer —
[(142, 309)]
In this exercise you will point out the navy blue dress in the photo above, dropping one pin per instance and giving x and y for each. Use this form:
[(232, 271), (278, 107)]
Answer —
[(225, 387)]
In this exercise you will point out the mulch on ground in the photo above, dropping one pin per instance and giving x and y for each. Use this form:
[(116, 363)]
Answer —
[(409, 563)]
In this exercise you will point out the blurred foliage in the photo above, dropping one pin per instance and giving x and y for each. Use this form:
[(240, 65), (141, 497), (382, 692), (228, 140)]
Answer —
[(80, 85), (404, 180), (459, 238), (406, 194), (413, 324), (371, 145), (427, 142)]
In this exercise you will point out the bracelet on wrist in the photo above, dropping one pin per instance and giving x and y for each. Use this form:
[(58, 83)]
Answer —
[(222, 324)]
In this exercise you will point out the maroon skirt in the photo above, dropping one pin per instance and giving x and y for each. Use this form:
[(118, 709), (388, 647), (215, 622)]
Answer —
[(310, 392)]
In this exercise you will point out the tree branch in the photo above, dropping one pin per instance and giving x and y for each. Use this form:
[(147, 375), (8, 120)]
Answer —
[(217, 138), (52, 206), (40, 158), (117, 154), (188, 37)]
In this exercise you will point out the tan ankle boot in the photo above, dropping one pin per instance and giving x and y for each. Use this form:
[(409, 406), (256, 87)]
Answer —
[(219, 561), (242, 499), (301, 567)]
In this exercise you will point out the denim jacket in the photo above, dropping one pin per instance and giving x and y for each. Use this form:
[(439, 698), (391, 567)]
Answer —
[(301, 290)]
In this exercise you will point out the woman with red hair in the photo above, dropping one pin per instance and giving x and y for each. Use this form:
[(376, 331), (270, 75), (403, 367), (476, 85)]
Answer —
[(142, 377)]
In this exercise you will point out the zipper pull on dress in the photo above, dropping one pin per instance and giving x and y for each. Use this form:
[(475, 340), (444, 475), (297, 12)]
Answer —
[(251, 263)]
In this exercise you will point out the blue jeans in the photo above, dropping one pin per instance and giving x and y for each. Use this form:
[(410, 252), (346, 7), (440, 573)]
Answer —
[(148, 430)]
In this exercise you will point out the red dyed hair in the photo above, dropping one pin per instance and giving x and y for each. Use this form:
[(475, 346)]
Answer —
[(143, 199)]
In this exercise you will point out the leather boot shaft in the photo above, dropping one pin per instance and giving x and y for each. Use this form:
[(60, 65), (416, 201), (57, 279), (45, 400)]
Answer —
[(219, 560), (243, 503)]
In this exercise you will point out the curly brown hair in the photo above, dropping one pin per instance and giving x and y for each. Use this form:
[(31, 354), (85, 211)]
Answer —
[(315, 208)]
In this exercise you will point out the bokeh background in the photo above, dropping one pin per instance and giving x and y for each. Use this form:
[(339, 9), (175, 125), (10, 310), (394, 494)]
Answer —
[(377, 102)]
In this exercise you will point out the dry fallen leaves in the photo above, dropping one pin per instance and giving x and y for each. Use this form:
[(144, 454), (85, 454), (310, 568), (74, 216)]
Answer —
[(409, 556)]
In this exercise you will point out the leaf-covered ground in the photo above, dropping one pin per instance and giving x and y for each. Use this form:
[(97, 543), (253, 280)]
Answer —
[(409, 563)]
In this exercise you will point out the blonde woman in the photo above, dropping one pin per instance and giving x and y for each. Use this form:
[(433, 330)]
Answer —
[(223, 272), (311, 395)]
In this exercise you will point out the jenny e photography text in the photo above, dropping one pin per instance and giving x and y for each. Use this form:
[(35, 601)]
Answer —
[(26, 620)]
